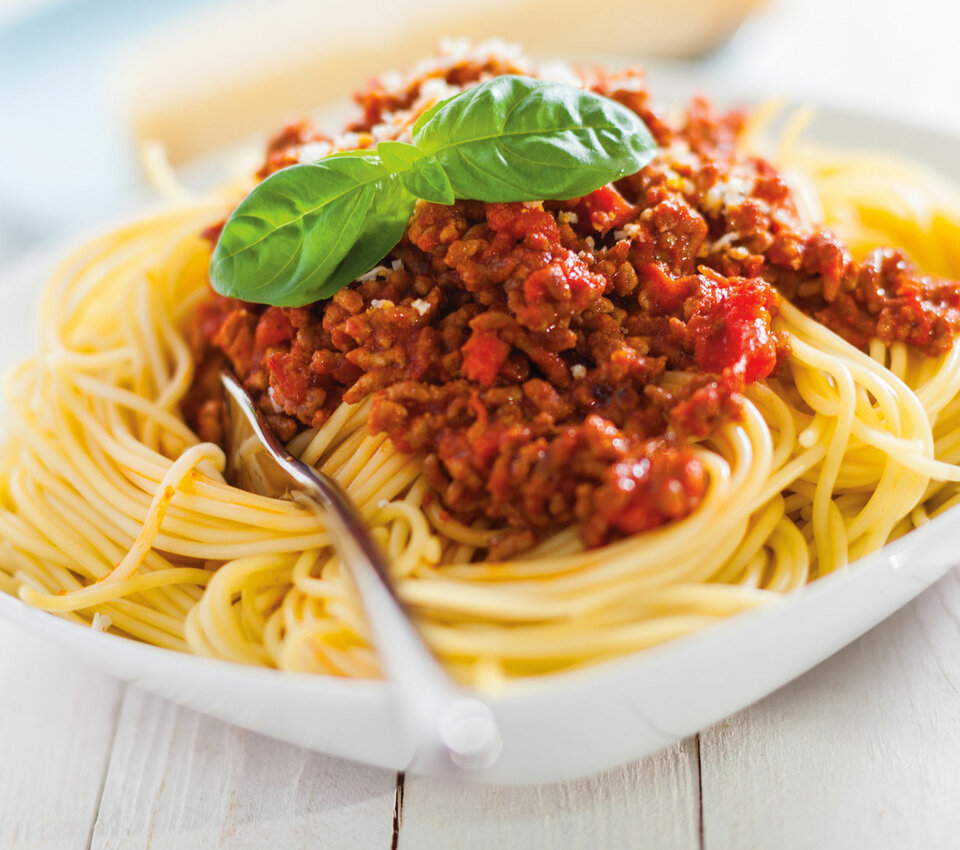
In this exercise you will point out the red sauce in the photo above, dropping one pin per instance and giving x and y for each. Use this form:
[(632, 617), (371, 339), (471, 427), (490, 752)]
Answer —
[(555, 363), (731, 328)]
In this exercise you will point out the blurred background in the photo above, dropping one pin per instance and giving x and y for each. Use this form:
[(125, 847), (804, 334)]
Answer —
[(85, 83)]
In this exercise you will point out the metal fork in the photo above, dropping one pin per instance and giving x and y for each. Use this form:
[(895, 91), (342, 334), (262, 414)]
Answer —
[(451, 728)]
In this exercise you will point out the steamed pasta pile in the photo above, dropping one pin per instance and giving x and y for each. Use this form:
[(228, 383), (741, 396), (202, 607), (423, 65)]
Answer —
[(113, 514)]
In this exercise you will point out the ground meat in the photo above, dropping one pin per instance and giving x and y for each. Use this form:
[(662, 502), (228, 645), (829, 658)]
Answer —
[(556, 363), (526, 366)]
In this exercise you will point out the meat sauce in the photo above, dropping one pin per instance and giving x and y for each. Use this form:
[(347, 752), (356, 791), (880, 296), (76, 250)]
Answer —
[(557, 362)]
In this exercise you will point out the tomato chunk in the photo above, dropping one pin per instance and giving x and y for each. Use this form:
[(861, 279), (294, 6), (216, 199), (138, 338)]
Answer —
[(731, 327), (483, 355), (603, 210)]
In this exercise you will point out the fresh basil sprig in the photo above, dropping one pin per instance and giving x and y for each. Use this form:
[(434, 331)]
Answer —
[(522, 139), (310, 229)]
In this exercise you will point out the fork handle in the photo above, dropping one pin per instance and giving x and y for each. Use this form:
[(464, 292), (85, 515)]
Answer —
[(449, 726)]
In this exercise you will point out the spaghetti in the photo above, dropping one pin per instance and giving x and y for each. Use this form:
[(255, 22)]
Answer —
[(115, 513)]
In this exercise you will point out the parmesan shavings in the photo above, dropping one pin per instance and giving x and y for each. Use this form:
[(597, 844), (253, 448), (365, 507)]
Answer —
[(101, 622), (373, 274)]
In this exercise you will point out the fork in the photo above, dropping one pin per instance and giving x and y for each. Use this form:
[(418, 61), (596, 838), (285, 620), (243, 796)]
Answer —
[(452, 729)]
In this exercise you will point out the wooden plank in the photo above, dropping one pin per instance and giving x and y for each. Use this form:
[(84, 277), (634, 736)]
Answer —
[(861, 752), (180, 780), (650, 803), (57, 718)]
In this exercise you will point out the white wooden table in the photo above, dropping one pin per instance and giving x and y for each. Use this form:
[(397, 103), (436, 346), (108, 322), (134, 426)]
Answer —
[(862, 752)]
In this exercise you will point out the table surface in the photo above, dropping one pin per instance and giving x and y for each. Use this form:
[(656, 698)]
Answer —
[(863, 751)]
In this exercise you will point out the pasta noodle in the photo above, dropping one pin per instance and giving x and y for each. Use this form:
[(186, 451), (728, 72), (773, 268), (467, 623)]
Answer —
[(112, 512)]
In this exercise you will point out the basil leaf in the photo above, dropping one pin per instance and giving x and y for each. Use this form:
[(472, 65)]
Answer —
[(516, 138), (383, 228), (290, 234), (427, 180), (308, 230), (397, 156)]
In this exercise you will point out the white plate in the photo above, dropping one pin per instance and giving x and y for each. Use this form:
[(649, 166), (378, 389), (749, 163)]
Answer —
[(569, 724)]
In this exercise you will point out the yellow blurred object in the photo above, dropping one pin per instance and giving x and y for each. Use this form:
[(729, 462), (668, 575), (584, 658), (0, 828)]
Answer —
[(227, 72)]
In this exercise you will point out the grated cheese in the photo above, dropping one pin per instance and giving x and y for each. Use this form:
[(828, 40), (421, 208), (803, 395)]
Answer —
[(312, 151), (276, 407), (629, 230), (726, 194), (101, 622), (373, 274)]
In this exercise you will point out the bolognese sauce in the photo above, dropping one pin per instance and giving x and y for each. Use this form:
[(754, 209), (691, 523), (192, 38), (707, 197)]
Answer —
[(557, 362)]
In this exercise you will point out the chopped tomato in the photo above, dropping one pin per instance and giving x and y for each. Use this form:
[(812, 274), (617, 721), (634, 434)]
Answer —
[(731, 327), (273, 328), (603, 210), (291, 376), (483, 355), (645, 492)]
